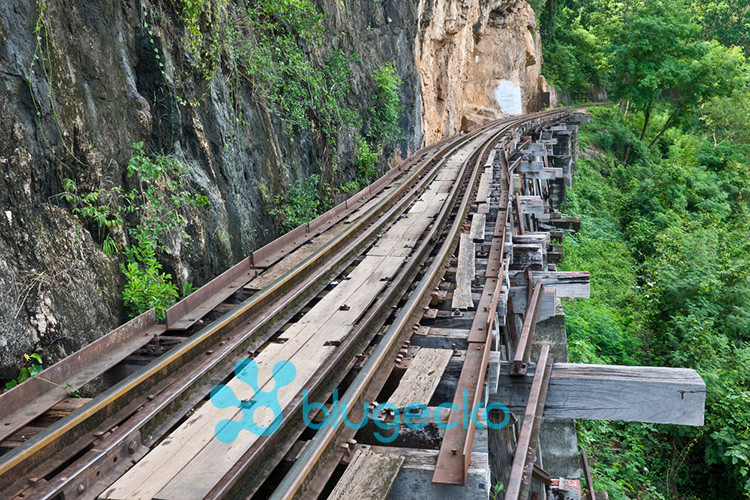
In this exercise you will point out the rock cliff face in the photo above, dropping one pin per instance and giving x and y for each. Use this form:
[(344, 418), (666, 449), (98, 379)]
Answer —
[(80, 83), (477, 60)]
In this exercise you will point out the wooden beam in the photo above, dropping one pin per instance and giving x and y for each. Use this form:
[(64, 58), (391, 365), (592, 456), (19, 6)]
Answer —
[(421, 378), (483, 192), (519, 296), (465, 272), (478, 223), (568, 284), (547, 174), (610, 392), (525, 166), (534, 205), (370, 476)]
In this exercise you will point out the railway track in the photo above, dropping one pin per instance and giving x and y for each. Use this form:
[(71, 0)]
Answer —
[(332, 306)]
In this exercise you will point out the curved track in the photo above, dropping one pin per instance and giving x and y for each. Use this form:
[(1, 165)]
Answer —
[(84, 453)]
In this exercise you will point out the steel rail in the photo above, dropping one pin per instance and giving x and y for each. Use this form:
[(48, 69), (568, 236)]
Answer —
[(413, 308), (34, 396), (28, 457), (587, 475), (295, 479), (451, 468)]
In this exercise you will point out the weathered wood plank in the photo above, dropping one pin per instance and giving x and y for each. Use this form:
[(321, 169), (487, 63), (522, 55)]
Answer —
[(534, 205), (519, 295), (483, 192), (524, 166), (369, 476), (603, 392), (414, 481), (491, 158), (528, 257), (464, 274), (546, 174), (478, 223), (351, 298), (421, 378), (536, 153), (191, 460), (569, 284), (542, 239)]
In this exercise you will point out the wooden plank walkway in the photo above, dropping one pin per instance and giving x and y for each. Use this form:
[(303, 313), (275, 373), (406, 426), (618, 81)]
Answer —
[(478, 223), (568, 284), (483, 192)]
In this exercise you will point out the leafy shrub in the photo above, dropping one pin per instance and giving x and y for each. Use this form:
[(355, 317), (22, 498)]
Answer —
[(386, 113), (301, 204), (147, 286), (367, 162), (30, 367)]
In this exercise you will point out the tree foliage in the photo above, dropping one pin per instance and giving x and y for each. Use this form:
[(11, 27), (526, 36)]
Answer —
[(666, 240)]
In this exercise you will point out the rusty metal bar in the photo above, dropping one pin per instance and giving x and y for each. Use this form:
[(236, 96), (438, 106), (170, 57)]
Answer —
[(511, 322), (529, 286), (276, 249), (523, 351), (36, 395), (587, 475), (452, 467), (521, 470), (186, 312), (541, 475), (515, 164), (57, 440), (368, 326)]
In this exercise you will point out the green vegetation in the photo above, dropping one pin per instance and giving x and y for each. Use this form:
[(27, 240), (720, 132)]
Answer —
[(301, 204), (386, 113), (665, 240), (31, 367), (268, 45), (150, 212), (385, 130), (653, 56), (664, 191)]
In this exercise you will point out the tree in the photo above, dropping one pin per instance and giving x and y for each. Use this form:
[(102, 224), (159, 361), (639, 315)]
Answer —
[(659, 63)]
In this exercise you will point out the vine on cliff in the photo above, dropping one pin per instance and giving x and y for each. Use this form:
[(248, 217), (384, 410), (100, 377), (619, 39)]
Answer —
[(158, 205)]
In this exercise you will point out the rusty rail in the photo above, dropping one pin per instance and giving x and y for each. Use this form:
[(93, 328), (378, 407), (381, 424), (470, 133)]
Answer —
[(587, 475), (523, 458), (452, 467), (325, 440), (523, 351), (38, 394), (160, 388)]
